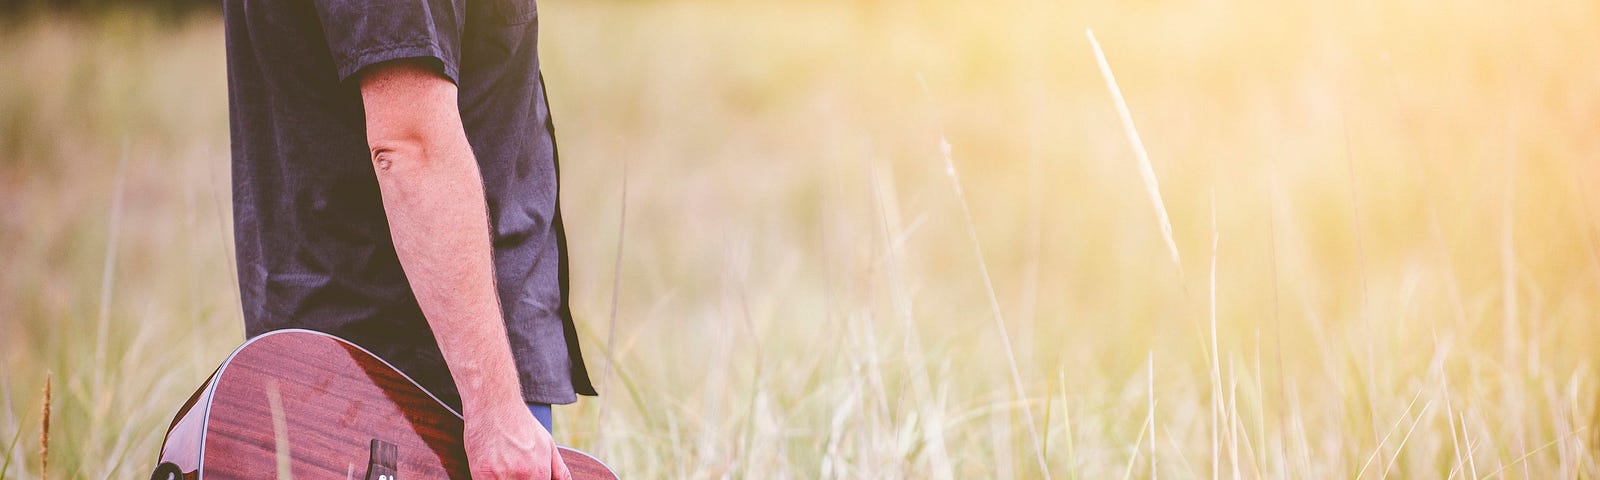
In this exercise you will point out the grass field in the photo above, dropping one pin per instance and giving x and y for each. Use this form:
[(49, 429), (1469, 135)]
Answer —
[(912, 239)]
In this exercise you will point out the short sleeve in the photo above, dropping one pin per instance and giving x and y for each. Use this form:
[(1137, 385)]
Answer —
[(362, 33)]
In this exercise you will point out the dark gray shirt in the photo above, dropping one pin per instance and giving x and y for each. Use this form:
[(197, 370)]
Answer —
[(313, 242)]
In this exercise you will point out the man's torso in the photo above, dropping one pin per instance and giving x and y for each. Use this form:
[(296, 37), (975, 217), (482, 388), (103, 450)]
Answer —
[(312, 238)]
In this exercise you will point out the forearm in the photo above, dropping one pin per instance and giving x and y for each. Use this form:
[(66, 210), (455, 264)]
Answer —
[(433, 197), (441, 234)]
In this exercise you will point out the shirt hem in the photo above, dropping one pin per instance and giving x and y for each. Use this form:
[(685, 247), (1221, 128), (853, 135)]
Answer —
[(373, 56)]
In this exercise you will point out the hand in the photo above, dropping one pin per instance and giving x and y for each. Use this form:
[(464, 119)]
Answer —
[(506, 443)]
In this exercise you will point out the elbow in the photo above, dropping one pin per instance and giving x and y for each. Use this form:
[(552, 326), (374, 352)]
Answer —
[(391, 154)]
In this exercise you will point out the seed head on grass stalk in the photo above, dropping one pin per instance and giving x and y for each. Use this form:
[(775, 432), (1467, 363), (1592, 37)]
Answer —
[(1146, 171), (988, 284)]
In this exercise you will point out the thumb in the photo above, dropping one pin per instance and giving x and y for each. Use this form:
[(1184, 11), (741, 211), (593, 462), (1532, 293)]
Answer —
[(558, 467)]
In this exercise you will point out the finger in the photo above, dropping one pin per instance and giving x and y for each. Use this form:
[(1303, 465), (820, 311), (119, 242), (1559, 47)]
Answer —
[(558, 467), (481, 472)]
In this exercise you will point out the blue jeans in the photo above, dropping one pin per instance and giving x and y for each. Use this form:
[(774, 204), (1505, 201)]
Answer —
[(541, 411)]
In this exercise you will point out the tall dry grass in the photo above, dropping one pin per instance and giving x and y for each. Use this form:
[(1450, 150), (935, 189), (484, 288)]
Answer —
[(1392, 204)]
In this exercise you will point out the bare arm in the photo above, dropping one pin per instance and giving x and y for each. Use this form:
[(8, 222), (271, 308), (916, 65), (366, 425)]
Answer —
[(433, 197)]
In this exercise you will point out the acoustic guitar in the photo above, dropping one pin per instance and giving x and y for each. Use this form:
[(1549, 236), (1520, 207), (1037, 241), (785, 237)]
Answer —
[(307, 405)]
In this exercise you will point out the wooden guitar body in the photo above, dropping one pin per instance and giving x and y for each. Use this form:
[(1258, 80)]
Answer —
[(307, 405)]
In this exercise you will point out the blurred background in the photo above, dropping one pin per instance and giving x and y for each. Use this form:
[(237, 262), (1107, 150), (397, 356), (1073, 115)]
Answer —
[(912, 239)]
